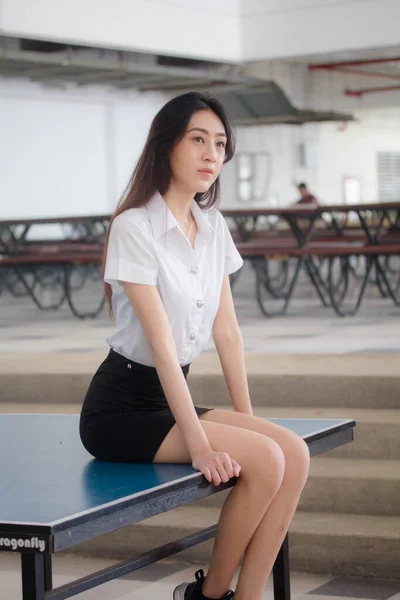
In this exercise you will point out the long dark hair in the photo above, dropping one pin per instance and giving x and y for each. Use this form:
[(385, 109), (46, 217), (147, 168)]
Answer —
[(152, 172)]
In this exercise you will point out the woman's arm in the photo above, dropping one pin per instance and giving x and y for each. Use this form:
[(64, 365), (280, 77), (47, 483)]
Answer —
[(147, 304), (229, 343), (150, 311)]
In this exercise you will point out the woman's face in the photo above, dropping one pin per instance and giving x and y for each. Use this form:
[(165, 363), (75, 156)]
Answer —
[(197, 159)]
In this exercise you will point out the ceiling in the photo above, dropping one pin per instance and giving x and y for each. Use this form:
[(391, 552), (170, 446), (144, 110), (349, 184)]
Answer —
[(249, 101), (349, 55), (376, 71)]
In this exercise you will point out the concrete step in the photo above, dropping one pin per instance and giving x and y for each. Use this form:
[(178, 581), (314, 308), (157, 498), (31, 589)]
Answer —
[(347, 544), (376, 436), (340, 544), (335, 485), (290, 380), (322, 391), (298, 380), (360, 487)]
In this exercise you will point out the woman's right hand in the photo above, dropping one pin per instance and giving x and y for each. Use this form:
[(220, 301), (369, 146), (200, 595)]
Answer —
[(217, 467)]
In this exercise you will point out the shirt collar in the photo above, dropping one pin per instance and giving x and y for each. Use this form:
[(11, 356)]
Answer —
[(162, 219)]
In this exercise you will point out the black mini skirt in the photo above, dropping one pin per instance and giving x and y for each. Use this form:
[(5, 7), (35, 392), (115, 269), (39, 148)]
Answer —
[(125, 415)]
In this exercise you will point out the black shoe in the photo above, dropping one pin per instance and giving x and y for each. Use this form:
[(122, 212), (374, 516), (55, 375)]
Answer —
[(192, 591)]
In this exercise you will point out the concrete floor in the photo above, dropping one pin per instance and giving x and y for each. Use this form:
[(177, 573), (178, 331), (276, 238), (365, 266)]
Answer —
[(159, 580), (310, 336), (307, 327)]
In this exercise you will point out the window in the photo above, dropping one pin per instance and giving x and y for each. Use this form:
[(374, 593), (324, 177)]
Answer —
[(253, 172), (389, 176), (351, 190)]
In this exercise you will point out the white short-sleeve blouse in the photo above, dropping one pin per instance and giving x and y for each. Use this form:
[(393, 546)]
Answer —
[(147, 246)]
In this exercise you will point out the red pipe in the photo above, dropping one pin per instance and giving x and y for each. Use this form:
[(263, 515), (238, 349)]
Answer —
[(360, 93), (375, 61), (367, 73)]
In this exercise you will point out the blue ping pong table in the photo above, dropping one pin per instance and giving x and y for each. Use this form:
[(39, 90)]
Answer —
[(54, 495)]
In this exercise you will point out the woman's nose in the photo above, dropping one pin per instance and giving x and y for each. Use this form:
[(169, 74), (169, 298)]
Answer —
[(210, 154)]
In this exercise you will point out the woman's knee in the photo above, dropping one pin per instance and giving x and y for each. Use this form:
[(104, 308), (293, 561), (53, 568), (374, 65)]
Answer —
[(264, 464), (297, 457)]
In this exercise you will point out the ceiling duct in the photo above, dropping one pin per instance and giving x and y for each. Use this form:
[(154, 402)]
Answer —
[(179, 61), (248, 101), (268, 104), (29, 45), (256, 102)]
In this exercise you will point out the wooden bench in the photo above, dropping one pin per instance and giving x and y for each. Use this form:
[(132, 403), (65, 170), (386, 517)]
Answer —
[(52, 268), (261, 251)]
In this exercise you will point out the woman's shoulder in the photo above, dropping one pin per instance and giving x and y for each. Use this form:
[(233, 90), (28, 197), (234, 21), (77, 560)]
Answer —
[(132, 218), (217, 221), (213, 215)]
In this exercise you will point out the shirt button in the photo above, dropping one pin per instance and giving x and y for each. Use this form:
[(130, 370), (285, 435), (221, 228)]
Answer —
[(194, 270), (192, 335), (200, 303)]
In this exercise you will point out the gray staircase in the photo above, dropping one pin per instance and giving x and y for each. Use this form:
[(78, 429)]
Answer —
[(348, 520), (329, 543)]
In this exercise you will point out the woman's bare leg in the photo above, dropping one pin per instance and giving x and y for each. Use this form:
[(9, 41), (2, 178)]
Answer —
[(264, 546), (254, 491)]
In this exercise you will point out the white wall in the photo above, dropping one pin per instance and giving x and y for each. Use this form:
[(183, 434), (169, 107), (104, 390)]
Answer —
[(193, 28), (289, 28), (339, 150), (352, 151), (66, 153), (278, 142), (71, 152)]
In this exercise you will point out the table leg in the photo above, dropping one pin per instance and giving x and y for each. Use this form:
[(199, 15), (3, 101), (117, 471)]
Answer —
[(380, 226), (316, 279), (381, 272), (372, 237), (241, 224), (281, 572), (302, 236), (336, 225), (48, 573), (33, 576)]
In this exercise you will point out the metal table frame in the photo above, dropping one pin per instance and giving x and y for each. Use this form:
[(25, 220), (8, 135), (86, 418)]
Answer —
[(36, 566), (13, 232), (246, 221)]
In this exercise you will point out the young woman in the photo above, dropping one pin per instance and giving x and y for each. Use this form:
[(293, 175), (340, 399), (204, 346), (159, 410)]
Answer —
[(168, 257)]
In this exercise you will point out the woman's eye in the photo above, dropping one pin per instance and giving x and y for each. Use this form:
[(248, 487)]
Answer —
[(200, 139)]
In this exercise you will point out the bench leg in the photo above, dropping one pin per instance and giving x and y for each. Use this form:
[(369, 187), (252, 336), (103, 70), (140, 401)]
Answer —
[(68, 270), (281, 572), (33, 576), (262, 283), (316, 280)]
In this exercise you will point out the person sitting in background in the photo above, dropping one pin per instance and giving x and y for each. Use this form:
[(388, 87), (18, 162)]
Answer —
[(306, 197)]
